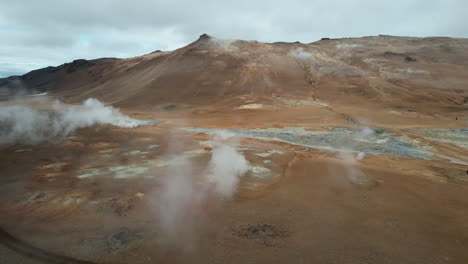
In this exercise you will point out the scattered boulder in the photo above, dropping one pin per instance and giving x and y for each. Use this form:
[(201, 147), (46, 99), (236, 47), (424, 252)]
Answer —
[(169, 107), (409, 59), (209, 149), (205, 36)]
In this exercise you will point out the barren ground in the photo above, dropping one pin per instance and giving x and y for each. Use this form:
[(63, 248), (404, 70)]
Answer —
[(356, 155)]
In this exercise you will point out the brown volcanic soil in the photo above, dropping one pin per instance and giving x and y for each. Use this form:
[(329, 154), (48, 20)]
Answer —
[(62, 203), (424, 74)]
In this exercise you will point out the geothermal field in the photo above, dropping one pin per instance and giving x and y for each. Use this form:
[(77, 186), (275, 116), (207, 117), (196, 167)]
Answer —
[(229, 151)]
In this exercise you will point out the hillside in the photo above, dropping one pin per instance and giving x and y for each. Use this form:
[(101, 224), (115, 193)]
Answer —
[(230, 151), (394, 71)]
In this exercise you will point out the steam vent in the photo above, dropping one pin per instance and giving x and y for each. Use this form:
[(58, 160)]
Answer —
[(349, 150)]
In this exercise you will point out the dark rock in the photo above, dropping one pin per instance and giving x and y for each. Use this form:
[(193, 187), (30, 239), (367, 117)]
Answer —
[(325, 39), (78, 65), (406, 57), (209, 149), (169, 107), (409, 59), (390, 53), (205, 36), (122, 240), (263, 232)]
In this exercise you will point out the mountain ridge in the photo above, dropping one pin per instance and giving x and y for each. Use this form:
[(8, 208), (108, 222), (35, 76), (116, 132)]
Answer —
[(373, 69)]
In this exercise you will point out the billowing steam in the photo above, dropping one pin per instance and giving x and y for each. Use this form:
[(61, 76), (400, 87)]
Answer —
[(187, 192), (179, 204), (347, 46), (303, 56), (353, 173), (350, 158), (91, 112), (221, 42), (226, 165), (23, 124), (345, 50)]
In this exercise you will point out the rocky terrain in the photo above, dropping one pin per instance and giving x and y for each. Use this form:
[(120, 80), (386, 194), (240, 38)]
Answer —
[(229, 151)]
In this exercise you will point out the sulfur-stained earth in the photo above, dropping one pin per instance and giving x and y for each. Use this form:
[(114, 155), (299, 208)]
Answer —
[(355, 150), (94, 197)]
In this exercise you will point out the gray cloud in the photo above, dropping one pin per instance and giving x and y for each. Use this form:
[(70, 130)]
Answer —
[(42, 33)]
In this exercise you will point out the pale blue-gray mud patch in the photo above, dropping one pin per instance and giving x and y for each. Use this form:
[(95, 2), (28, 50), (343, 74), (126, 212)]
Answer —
[(336, 139)]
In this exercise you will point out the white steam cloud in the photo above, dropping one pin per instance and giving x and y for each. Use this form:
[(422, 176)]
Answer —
[(187, 194), (344, 50), (179, 204), (226, 165), (350, 158), (222, 43), (353, 173), (22, 124), (347, 46), (91, 112), (303, 56)]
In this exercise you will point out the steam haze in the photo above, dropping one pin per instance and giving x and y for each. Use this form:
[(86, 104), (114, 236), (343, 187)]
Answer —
[(185, 194), (23, 124)]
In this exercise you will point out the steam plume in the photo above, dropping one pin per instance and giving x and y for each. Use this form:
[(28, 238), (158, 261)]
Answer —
[(353, 173), (21, 123), (185, 196), (179, 204), (303, 56), (226, 165)]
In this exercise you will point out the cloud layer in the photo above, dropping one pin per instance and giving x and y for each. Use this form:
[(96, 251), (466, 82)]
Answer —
[(42, 33)]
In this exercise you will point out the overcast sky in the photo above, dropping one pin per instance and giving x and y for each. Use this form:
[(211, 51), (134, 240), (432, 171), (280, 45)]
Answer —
[(36, 34)]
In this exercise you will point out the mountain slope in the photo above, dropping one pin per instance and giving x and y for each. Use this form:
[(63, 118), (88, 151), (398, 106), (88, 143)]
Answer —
[(396, 71)]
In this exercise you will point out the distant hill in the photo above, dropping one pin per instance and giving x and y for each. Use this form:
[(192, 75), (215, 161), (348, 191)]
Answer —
[(377, 69)]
